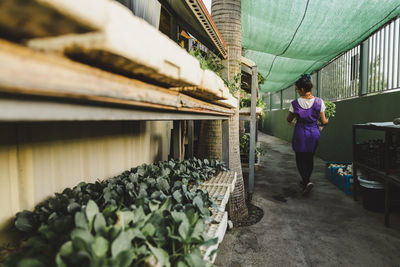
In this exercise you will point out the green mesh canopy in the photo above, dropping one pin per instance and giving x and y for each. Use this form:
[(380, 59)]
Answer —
[(287, 38)]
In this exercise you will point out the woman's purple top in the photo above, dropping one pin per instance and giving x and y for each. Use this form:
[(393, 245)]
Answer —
[(306, 133)]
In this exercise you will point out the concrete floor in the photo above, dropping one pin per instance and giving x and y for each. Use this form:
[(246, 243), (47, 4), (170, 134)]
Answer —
[(326, 228)]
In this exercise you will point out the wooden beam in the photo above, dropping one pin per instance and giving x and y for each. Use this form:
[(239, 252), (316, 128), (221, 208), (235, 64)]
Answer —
[(225, 142), (246, 69), (177, 140), (254, 88), (26, 109), (190, 134)]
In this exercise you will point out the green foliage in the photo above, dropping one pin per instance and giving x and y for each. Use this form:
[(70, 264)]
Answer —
[(246, 102), (233, 85), (330, 110), (245, 145), (207, 60), (210, 62), (153, 214), (260, 79)]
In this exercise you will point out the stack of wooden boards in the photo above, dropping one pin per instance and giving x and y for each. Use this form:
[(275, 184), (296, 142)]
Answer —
[(104, 34)]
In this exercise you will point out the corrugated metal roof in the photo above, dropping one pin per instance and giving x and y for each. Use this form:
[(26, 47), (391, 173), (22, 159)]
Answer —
[(195, 14)]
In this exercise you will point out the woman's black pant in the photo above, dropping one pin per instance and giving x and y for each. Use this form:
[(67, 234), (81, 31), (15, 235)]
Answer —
[(305, 165)]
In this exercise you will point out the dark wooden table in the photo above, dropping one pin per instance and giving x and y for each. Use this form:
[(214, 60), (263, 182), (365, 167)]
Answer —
[(385, 174)]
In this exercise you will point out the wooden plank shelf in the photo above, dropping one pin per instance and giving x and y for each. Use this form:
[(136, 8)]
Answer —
[(106, 34), (231, 102), (212, 87), (31, 73), (129, 46), (246, 111)]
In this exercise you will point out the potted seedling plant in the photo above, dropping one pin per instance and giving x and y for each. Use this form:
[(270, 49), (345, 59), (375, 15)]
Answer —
[(245, 149)]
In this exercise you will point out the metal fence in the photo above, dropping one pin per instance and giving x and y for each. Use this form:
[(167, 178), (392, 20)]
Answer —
[(276, 100), (369, 68), (267, 100), (341, 78), (288, 95), (383, 58)]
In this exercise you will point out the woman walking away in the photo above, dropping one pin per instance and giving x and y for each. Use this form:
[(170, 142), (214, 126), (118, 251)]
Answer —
[(307, 109)]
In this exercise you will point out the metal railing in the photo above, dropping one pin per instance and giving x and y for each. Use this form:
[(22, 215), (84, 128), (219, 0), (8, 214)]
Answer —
[(340, 79), (288, 95), (383, 58)]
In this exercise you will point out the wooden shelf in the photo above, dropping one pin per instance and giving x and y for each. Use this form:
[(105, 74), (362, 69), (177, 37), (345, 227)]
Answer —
[(244, 113), (395, 179), (377, 128)]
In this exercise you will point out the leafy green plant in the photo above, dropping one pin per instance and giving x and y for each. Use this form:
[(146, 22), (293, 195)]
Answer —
[(210, 62), (246, 102), (260, 79), (233, 85), (330, 110), (69, 227), (128, 188)]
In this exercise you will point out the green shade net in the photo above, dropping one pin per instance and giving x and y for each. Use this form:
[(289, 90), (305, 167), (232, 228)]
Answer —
[(287, 38)]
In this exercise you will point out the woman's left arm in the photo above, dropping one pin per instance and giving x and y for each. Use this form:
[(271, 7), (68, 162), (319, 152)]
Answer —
[(290, 117), (322, 118)]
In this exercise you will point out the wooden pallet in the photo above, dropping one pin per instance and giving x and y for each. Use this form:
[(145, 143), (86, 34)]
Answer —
[(225, 179), (219, 193), (216, 230), (23, 19), (130, 46), (27, 72), (247, 111), (231, 102), (212, 87)]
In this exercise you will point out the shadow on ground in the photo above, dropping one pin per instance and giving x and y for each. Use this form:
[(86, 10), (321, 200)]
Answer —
[(326, 228)]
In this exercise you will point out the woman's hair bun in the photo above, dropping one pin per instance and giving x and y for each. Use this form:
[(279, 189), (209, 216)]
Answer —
[(306, 77)]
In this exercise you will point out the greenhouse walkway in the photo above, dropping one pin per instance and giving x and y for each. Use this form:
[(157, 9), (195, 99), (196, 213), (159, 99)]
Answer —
[(326, 228)]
